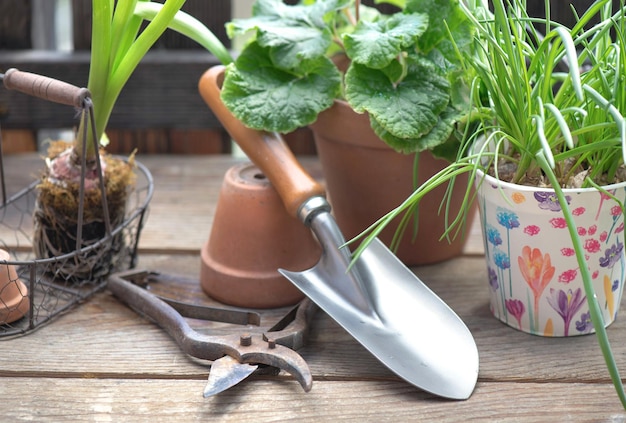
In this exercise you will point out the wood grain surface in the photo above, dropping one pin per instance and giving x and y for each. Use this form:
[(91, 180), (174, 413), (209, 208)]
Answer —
[(103, 362)]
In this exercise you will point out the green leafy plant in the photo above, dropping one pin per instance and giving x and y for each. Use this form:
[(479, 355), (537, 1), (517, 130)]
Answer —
[(403, 68), (550, 111)]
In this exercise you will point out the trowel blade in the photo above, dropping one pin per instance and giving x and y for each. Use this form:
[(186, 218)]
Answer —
[(392, 313)]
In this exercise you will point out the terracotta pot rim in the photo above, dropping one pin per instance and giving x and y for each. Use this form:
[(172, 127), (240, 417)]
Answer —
[(244, 176), (237, 272)]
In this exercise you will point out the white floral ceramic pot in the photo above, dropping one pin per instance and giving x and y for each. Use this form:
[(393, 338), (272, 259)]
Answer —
[(534, 278)]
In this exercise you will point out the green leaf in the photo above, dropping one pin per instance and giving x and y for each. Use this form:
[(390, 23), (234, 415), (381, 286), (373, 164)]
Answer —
[(409, 109), (290, 42), (188, 26), (376, 44), (263, 97), (289, 46), (123, 23), (312, 14), (448, 150), (439, 11), (445, 53), (439, 136), (294, 33)]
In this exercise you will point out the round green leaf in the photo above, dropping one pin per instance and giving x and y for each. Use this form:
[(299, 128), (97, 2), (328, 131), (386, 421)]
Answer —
[(266, 98), (376, 44), (409, 109), (435, 139)]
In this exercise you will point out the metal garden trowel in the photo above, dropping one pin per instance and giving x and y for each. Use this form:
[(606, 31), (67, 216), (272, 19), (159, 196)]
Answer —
[(379, 301)]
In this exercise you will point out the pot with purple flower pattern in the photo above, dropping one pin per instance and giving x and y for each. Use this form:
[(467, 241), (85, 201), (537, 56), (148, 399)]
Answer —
[(534, 277)]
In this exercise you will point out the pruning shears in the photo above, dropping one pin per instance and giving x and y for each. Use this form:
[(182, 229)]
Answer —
[(235, 356)]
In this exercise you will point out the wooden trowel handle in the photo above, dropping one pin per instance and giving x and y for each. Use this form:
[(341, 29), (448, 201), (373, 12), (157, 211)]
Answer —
[(268, 151)]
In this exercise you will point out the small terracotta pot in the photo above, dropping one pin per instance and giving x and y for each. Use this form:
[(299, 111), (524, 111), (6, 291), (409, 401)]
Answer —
[(251, 238), (14, 302), (366, 179)]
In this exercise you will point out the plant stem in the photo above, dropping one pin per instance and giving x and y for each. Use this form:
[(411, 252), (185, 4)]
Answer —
[(131, 59), (99, 64), (115, 56), (594, 307), (190, 27)]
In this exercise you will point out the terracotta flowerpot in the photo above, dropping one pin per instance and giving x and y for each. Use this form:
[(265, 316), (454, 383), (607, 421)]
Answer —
[(365, 179), (14, 302), (252, 236)]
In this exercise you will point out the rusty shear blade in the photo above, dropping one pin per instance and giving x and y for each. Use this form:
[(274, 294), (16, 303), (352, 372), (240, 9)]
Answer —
[(251, 349), (226, 372)]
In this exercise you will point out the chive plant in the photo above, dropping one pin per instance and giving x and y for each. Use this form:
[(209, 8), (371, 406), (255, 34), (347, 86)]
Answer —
[(549, 105)]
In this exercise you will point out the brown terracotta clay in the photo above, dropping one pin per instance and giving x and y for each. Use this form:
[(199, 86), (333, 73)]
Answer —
[(14, 302), (251, 237), (365, 179)]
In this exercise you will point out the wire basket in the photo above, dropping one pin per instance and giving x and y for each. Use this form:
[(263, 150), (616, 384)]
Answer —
[(50, 291), (49, 295)]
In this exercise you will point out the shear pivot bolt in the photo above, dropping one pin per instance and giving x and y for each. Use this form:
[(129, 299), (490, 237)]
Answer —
[(245, 340), (271, 344)]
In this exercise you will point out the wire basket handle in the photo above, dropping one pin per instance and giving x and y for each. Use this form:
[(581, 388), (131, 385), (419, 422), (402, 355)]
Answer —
[(46, 88), (56, 91)]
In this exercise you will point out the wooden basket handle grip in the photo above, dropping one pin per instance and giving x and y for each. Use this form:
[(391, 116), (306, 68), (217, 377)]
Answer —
[(268, 151), (45, 88)]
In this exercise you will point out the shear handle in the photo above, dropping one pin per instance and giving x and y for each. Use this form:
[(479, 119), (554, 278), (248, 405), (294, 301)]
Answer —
[(145, 278), (249, 349)]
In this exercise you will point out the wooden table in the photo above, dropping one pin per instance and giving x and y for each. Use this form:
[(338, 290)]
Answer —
[(103, 362)]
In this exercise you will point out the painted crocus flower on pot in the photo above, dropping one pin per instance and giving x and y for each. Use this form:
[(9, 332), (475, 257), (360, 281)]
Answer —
[(566, 304), (517, 309), (612, 255), (537, 271), (549, 201), (584, 325)]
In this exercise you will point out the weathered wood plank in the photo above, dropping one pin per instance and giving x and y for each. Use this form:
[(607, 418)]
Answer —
[(18, 141), (168, 141), (185, 196), (180, 400), (186, 190), (103, 360), (115, 342)]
